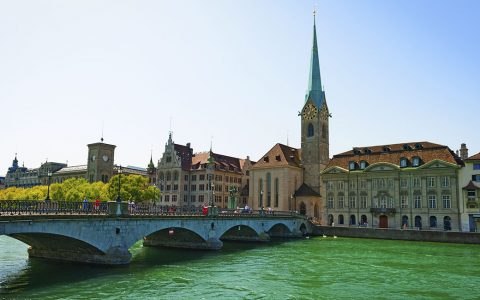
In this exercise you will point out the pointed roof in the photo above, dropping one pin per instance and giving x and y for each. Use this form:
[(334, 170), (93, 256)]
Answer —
[(474, 157), (314, 91), (304, 191), (279, 156), (471, 186)]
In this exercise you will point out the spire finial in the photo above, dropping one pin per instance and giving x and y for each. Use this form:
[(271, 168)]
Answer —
[(101, 139)]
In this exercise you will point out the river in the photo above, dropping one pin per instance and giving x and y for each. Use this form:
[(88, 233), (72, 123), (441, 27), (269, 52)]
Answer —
[(315, 268)]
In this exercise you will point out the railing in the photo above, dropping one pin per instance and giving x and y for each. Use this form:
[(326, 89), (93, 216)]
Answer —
[(18, 207), (383, 210)]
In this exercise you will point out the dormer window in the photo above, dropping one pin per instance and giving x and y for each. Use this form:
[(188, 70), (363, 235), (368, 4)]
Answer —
[(277, 158), (386, 149), (356, 151), (418, 146), (407, 147), (265, 159), (415, 161), (351, 165), (363, 164), (367, 151), (403, 162)]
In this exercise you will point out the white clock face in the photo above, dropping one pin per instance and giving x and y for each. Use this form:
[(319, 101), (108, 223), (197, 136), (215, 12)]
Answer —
[(93, 157), (105, 158)]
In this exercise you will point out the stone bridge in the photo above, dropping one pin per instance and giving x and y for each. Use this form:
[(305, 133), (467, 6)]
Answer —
[(106, 238)]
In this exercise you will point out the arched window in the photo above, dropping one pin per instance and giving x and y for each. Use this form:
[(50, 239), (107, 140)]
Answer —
[(364, 220), (352, 220), (418, 222), (447, 223), (405, 221), (330, 219), (310, 131), (433, 222), (175, 175), (340, 219), (169, 176)]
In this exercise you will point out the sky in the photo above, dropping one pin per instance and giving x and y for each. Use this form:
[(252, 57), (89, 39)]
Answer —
[(232, 74)]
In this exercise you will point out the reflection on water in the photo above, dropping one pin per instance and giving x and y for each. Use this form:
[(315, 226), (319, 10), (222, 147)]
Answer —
[(309, 268)]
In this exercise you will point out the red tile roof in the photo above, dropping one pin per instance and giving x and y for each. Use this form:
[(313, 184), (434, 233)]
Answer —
[(426, 151), (279, 155), (185, 153), (474, 157), (223, 161), (471, 186)]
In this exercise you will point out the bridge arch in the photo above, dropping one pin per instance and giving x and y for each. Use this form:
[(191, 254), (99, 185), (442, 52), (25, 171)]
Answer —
[(175, 237), (39, 241), (240, 233), (279, 230)]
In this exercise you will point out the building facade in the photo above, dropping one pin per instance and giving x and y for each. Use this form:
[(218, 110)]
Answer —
[(411, 185), (469, 184), (206, 178)]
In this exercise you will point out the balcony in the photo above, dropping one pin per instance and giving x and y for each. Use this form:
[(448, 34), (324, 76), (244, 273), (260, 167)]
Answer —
[(383, 210)]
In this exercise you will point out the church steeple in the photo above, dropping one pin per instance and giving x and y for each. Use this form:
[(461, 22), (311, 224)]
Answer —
[(315, 92)]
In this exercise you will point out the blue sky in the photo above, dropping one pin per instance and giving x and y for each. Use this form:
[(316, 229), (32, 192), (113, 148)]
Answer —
[(393, 71)]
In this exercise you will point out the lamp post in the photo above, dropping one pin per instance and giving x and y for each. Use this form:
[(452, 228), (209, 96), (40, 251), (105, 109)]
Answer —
[(119, 182), (49, 175)]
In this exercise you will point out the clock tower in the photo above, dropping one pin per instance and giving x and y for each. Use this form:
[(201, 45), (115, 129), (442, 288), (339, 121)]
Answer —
[(314, 124), (100, 162)]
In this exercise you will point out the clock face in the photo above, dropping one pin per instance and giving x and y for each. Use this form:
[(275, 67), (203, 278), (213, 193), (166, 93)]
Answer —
[(93, 157), (105, 158), (309, 111)]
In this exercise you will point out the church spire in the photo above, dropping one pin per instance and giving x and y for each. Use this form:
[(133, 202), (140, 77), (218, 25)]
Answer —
[(314, 81)]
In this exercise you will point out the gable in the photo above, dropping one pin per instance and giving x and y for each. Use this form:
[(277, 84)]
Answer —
[(438, 164), (334, 170), (381, 167)]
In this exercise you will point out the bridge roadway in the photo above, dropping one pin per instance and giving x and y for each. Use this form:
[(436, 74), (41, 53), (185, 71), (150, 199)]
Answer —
[(103, 233)]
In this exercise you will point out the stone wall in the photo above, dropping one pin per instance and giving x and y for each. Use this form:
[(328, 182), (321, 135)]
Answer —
[(394, 234)]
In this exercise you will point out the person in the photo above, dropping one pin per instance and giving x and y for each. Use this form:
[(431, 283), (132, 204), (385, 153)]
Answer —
[(85, 203), (97, 204)]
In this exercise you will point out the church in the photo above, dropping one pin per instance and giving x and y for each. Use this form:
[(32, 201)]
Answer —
[(287, 178)]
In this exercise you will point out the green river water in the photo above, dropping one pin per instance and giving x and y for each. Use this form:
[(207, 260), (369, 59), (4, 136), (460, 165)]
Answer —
[(315, 268)]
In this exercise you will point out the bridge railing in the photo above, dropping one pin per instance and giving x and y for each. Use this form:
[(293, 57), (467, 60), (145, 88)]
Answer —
[(18, 207), (15, 207)]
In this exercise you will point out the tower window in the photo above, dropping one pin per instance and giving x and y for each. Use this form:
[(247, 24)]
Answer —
[(310, 131)]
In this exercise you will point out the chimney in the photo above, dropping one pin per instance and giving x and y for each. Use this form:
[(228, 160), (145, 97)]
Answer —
[(463, 151), (188, 145)]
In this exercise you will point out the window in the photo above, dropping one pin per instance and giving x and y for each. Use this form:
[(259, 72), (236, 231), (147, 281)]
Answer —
[(363, 184), (416, 182), (418, 201), (476, 166), (351, 165), (341, 185), (416, 161), (431, 181), (471, 194), (330, 186), (169, 176), (192, 198), (202, 177), (185, 187), (276, 192), (167, 198), (169, 159), (383, 202), (363, 201), (185, 177), (340, 202), (447, 202), (363, 164), (175, 187), (445, 181), (403, 201), (381, 183), (353, 184), (403, 183), (201, 187), (185, 198), (476, 177), (169, 187), (194, 177), (330, 202), (353, 201), (193, 188), (433, 222), (310, 131), (341, 219), (201, 198), (175, 175), (403, 162), (390, 183), (432, 201)]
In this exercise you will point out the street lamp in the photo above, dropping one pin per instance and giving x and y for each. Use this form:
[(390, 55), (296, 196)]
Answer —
[(49, 175), (119, 175)]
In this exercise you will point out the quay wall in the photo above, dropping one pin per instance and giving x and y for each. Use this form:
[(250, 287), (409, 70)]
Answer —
[(396, 234)]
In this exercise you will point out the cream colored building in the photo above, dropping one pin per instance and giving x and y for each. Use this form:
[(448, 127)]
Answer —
[(469, 187), (411, 185)]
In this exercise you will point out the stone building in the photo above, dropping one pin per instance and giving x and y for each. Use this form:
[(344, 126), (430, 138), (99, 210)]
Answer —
[(194, 179), (411, 185), (24, 177), (469, 184), (287, 178)]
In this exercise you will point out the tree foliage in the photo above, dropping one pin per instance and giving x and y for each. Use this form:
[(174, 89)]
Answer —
[(133, 188)]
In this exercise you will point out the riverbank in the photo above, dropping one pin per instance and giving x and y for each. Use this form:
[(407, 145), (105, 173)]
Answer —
[(396, 234)]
